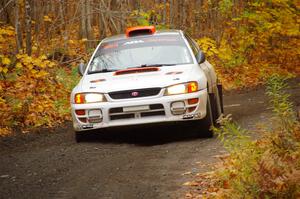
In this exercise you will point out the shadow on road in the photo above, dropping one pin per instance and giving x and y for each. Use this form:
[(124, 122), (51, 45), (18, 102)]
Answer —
[(144, 135)]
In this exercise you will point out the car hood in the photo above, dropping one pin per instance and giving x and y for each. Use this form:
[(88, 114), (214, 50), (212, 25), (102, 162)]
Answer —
[(165, 76)]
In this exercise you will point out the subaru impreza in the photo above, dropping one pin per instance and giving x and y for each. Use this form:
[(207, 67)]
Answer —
[(146, 76)]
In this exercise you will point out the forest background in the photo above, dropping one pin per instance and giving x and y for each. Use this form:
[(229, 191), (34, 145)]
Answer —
[(42, 42)]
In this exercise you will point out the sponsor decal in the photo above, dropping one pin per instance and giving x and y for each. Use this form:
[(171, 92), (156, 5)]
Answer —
[(192, 116), (87, 126), (133, 42)]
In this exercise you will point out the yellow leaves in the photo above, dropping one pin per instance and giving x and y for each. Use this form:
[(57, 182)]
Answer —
[(208, 45), (20, 56), (33, 71), (51, 64), (7, 31), (5, 70), (29, 66), (43, 57), (40, 62), (37, 62), (1, 40), (19, 65), (6, 61), (47, 19), (41, 74)]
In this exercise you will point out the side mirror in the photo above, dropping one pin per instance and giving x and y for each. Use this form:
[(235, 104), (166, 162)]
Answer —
[(200, 57), (81, 68)]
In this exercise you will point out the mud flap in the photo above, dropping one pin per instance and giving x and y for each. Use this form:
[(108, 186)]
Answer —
[(220, 90)]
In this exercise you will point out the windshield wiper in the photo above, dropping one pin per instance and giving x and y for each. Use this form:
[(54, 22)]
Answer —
[(152, 65), (101, 71)]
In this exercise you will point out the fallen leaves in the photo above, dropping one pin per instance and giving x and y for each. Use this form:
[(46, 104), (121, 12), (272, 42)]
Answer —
[(193, 183), (187, 173)]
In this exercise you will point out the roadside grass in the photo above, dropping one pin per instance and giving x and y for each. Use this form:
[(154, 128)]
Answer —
[(69, 78), (268, 167)]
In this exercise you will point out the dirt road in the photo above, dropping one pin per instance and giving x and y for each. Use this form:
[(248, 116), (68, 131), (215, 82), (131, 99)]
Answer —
[(136, 163)]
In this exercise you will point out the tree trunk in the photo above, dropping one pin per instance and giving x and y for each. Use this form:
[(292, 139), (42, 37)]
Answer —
[(171, 14), (63, 28), (17, 27), (165, 13), (89, 28), (28, 27), (83, 33)]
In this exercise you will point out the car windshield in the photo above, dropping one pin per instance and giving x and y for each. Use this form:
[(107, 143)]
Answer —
[(142, 51)]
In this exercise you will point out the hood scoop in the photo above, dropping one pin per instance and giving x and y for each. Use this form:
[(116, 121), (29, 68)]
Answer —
[(136, 70)]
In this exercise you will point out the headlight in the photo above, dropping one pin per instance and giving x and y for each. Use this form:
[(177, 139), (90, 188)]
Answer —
[(189, 87), (85, 98)]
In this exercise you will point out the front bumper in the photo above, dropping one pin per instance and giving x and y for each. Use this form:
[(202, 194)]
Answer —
[(156, 109)]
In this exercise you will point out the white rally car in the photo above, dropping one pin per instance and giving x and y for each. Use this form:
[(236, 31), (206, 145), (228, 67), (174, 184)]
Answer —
[(146, 76)]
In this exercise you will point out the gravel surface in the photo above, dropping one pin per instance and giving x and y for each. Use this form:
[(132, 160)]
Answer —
[(145, 162)]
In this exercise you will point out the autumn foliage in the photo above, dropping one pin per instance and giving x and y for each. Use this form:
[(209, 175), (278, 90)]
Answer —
[(262, 39), (31, 93)]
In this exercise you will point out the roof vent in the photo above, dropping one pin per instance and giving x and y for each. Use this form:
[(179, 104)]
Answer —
[(140, 30)]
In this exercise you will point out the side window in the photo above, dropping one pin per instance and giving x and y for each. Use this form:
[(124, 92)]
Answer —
[(194, 47)]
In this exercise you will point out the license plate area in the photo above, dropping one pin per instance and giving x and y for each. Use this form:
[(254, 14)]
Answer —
[(95, 113), (136, 109)]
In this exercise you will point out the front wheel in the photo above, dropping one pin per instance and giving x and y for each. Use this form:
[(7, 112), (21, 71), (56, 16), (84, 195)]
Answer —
[(203, 127), (216, 100), (79, 136)]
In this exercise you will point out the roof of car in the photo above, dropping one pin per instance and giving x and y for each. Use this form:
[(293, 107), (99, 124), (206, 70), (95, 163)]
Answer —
[(158, 32)]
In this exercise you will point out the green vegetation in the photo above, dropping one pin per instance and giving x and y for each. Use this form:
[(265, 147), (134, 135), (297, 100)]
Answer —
[(268, 167)]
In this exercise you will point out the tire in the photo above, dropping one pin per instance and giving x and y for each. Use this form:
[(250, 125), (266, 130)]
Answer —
[(216, 104), (79, 137), (220, 91), (203, 127), (214, 108)]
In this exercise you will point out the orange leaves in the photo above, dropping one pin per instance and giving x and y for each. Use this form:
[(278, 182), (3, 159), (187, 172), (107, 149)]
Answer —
[(4, 131)]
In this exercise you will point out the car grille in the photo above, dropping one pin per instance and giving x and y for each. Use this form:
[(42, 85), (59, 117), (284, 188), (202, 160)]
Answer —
[(135, 93), (119, 114)]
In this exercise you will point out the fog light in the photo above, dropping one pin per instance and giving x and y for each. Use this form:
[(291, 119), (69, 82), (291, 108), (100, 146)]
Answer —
[(95, 120), (95, 113), (95, 116), (178, 108), (193, 101), (80, 112)]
